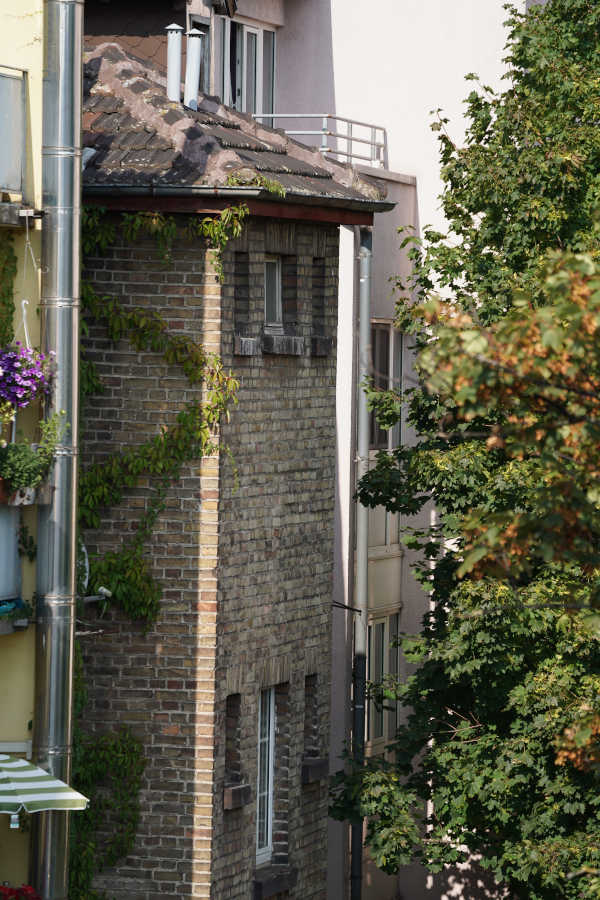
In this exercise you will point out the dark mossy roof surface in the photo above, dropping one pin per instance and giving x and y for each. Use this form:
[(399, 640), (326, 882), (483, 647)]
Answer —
[(141, 140)]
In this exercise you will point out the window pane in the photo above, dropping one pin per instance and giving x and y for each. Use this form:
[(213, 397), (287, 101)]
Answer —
[(380, 374), (250, 98), (398, 383), (268, 72), (236, 62), (393, 668), (369, 667), (219, 50), (272, 293), (265, 770), (378, 675)]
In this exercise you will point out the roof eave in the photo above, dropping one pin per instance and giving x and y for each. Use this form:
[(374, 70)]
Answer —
[(238, 192)]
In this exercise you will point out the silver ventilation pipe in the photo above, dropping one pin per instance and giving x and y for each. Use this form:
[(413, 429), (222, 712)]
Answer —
[(55, 608), (361, 594), (174, 33), (192, 68)]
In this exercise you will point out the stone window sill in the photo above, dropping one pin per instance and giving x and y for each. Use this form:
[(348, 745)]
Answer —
[(236, 795), (271, 880), (282, 344), (314, 769), (246, 346)]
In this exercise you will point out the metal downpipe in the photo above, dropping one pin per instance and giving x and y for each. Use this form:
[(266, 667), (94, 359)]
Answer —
[(362, 546), (55, 609)]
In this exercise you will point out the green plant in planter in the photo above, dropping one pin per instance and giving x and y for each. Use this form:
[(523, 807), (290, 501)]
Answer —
[(24, 465)]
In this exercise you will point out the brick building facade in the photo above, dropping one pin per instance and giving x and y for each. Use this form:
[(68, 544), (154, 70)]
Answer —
[(229, 690), (244, 552)]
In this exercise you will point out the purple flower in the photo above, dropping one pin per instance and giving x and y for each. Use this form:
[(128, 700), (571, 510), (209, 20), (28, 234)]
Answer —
[(24, 375)]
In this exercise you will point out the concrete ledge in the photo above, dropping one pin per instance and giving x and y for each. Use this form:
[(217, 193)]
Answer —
[(15, 215), (320, 345), (314, 769), (282, 344), (272, 880), (246, 346), (9, 626), (236, 795), (386, 174)]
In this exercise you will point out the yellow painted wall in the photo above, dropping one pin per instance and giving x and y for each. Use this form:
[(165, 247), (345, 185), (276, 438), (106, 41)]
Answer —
[(16, 712), (21, 46)]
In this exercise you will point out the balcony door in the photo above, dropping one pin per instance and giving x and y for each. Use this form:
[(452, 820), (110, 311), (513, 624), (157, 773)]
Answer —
[(247, 67)]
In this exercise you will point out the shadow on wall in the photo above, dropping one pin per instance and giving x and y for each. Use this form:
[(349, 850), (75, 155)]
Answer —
[(304, 81), (466, 882)]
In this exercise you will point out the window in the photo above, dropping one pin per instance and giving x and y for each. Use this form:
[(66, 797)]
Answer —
[(246, 68), (273, 300), (266, 767), (386, 372), (386, 356), (383, 660), (203, 26)]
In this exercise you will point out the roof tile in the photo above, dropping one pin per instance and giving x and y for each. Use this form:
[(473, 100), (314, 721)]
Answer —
[(142, 138)]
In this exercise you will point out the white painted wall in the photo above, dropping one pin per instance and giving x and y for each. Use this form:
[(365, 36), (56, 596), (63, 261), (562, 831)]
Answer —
[(390, 63)]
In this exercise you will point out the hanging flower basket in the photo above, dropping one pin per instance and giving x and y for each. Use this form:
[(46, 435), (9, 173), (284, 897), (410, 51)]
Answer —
[(24, 466), (25, 375)]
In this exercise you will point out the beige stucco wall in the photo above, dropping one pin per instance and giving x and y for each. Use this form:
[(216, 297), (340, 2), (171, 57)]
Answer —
[(21, 31)]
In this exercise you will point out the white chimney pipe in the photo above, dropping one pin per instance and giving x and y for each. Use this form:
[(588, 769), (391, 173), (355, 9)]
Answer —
[(192, 68), (174, 62)]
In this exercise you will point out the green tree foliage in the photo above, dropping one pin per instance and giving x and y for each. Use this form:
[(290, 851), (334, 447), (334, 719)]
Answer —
[(504, 702)]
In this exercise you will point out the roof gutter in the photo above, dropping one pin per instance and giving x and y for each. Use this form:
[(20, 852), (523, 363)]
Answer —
[(237, 192), (166, 190)]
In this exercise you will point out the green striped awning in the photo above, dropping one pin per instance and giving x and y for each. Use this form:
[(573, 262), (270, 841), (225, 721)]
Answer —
[(25, 786)]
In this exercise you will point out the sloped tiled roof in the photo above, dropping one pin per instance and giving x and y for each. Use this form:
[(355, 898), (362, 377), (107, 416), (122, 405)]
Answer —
[(143, 140)]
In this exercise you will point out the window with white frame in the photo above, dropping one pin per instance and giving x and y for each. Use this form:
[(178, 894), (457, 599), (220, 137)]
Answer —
[(245, 66), (203, 26), (266, 771), (273, 293), (386, 373), (382, 660)]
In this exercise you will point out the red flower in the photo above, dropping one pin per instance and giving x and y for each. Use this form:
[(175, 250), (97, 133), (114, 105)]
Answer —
[(25, 892)]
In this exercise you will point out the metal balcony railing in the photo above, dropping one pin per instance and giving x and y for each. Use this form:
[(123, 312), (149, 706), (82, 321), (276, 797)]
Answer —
[(13, 125), (356, 141)]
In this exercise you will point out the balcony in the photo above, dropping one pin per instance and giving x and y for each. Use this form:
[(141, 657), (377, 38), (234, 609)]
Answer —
[(348, 140)]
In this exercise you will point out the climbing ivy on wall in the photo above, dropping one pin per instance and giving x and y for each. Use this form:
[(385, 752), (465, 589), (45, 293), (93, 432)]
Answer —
[(8, 270), (124, 572), (109, 768)]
